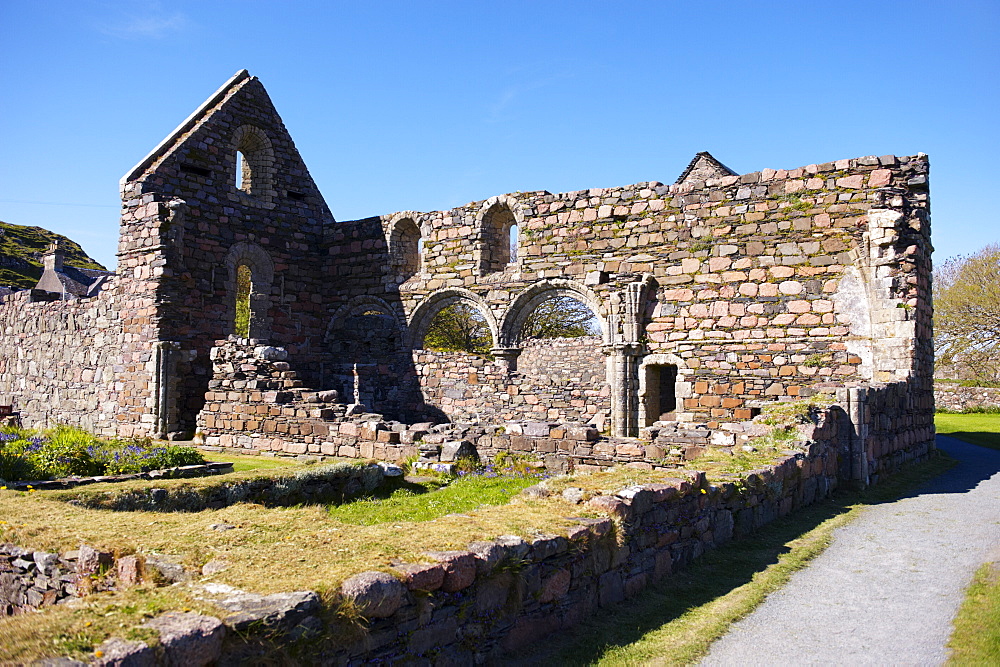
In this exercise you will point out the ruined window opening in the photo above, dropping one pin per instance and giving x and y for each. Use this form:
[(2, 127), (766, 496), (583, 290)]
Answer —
[(253, 162), (498, 246), (242, 178), (297, 196), (244, 285), (661, 393), (407, 245), (561, 317), (458, 328)]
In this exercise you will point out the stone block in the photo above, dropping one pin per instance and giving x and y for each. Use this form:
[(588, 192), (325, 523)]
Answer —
[(376, 594)]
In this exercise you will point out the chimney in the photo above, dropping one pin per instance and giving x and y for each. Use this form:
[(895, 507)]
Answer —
[(52, 260)]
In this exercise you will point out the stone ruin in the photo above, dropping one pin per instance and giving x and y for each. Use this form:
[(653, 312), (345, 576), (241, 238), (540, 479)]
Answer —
[(715, 295)]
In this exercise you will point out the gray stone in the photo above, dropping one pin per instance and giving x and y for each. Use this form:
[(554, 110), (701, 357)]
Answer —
[(188, 639), (167, 568), (376, 594), (117, 652), (458, 449), (574, 495), (390, 469), (279, 611)]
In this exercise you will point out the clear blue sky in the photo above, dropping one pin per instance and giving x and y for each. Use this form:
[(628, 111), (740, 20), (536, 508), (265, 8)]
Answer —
[(424, 106)]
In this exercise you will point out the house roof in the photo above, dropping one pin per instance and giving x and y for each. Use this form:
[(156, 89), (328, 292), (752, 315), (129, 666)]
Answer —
[(704, 166)]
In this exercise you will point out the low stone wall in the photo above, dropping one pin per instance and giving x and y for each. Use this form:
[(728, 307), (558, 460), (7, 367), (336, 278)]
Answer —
[(956, 397), (324, 484), (475, 605), (31, 579)]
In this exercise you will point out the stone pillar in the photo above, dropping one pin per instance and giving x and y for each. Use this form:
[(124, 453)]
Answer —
[(856, 405), (164, 400), (506, 357), (623, 376)]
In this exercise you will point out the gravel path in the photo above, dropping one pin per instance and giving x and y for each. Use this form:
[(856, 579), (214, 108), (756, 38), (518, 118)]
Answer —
[(887, 588)]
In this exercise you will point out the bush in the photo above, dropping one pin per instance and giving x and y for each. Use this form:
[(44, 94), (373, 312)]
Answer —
[(68, 451)]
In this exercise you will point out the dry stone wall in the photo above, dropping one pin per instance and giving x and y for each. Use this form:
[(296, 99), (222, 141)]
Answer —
[(59, 360), (956, 397), (477, 604)]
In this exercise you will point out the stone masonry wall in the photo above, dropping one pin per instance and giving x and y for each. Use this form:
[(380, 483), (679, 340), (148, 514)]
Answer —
[(560, 379), (958, 398), (60, 359), (760, 286)]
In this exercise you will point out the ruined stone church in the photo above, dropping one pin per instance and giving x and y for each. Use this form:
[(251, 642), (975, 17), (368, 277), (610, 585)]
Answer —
[(714, 295)]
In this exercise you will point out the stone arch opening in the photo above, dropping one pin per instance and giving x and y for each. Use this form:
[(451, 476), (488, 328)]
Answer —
[(424, 315), (519, 315), (253, 163), (663, 385), (250, 274), (499, 222), (363, 330), (405, 247)]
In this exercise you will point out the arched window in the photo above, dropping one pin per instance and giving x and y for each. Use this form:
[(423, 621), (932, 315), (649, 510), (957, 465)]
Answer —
[(253, 162), (244, 286), (499, 238), (248, 287), (406, 247)]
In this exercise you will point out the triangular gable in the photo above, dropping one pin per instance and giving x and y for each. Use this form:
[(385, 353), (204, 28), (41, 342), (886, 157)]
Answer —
[(703, 167), (233, 147), (174, 137)]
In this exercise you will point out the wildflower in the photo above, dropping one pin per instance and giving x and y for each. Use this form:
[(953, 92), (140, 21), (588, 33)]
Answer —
[(98, 653)]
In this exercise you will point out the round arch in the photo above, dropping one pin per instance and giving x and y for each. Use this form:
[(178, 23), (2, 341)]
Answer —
[(257, 171), (261, 268), (493, 242), (358, 306), (423, 314), (403, 233), (366, 329), (517, 313)]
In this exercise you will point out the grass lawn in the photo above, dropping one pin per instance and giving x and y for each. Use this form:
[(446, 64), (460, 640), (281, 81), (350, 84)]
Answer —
[(676, 620), (424, 502), (976, 639), (270, 550), (977, 428), (242, 463)]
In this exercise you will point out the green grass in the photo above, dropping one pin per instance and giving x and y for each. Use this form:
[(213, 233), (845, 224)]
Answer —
[(976, 638), (675, 621), (430, 500), (244, 463), (979, 429)]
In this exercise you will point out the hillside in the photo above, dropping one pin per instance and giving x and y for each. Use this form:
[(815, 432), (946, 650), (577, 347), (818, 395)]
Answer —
[(21, 250)]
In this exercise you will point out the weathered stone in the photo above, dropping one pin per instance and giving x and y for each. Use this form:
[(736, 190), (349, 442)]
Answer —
[(188, 639), (459, 569), (121, 653), (376, 594), (421, 576)]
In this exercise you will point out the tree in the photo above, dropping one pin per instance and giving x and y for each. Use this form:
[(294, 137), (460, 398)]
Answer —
[(462, 328), (561, 317), (459, 328), (967, 314)]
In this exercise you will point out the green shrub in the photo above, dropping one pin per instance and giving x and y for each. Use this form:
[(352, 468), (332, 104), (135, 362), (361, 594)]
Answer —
[(69, 451)]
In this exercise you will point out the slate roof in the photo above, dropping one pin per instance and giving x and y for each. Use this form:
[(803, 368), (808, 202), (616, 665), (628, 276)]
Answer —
[(71, 280), (705, 161)]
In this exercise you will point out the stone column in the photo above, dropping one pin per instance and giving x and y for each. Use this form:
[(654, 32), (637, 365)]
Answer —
[(506, 357), (164, 400), (623, 374)]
